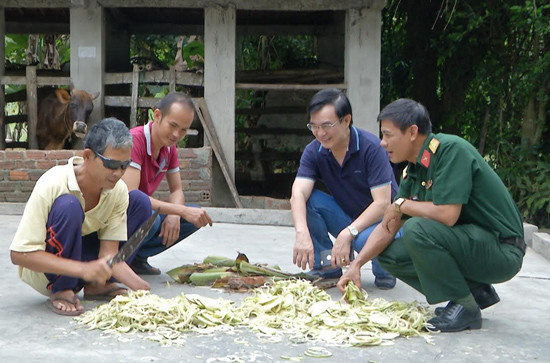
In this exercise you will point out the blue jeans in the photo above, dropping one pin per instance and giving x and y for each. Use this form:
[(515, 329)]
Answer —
[(153, 243), (325, 216)]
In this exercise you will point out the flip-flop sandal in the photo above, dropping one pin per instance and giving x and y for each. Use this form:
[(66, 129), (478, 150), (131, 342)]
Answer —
[(106, 296), (55, 309)]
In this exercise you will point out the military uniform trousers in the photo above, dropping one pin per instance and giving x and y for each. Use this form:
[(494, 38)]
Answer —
[(445, 263)]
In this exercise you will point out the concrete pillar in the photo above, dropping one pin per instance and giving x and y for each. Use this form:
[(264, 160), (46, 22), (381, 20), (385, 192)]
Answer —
[(219, 90), (362, 65), (88, 52)]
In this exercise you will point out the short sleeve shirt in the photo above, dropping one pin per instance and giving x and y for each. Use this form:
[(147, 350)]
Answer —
[(366, 166), (107, 218), (449, 170), (152, 170)]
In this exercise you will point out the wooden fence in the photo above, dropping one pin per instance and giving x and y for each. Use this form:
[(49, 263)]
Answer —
[(32, 82)]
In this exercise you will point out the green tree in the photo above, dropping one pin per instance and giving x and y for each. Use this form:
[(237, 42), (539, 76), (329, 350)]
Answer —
[(482, 70)]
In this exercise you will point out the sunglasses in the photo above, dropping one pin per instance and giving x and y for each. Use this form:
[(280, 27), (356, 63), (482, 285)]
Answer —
[(112, 163)]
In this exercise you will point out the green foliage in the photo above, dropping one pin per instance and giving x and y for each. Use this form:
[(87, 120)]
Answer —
[(276, 52), (63, 44), (163, 48), (156, 47), (527, 176), (477, 66), (193, 53), (15, 47), (16, 44)]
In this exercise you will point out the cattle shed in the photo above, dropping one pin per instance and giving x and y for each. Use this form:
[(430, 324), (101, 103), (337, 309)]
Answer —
[(347, 39)]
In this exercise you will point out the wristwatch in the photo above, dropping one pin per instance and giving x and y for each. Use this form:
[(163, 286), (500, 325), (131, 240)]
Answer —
[(398, 204), (354, 232)]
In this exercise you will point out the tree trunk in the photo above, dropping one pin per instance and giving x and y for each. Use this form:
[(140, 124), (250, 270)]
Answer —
[(535, 111), (483, 135), (533, 119), (422, 57)]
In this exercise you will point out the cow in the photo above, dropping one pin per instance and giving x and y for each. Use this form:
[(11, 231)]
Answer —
[(62, 114)]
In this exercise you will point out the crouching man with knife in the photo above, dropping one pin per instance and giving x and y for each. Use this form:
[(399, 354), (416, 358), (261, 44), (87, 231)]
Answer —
[(73, 222)]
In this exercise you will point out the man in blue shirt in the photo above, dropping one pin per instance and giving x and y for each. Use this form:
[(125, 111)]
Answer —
[(357, 172)]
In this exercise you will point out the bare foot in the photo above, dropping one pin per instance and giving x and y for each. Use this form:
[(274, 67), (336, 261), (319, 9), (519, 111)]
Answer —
[(66, 301), (106, 292)]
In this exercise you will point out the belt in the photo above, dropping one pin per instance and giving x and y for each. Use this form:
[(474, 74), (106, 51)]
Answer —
[(514, 241)]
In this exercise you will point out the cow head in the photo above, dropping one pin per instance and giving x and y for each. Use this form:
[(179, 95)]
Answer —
[(79, 107)]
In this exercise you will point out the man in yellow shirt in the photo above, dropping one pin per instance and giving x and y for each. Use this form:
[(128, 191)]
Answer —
[(74, 220)]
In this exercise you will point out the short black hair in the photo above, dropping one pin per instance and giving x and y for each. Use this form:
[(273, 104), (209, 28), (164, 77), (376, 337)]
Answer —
[(405, 112), (331, 96), (175, 97)]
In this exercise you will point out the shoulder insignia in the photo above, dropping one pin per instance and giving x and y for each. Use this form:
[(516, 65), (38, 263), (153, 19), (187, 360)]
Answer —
[(425, 160), (434, 144), (405, 172)]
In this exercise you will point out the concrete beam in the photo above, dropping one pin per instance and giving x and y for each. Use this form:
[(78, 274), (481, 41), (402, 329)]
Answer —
[(304, 5), (37, 4), (363, 29), (270, 217), (219, 90), (88, 52), (281, 5)]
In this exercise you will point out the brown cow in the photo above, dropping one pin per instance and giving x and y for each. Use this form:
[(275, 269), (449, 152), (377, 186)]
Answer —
[(61, 115)]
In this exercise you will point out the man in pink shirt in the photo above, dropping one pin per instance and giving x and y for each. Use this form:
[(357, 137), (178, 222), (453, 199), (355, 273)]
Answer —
[(154, 156)]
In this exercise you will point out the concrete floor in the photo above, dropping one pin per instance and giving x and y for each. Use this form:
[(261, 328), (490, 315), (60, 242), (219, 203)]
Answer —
[(515, 330)]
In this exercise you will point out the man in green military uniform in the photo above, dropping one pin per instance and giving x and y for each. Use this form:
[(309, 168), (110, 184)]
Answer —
[(461, 229)]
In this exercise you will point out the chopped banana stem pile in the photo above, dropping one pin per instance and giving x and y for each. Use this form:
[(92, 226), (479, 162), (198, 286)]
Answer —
[(291, 308)]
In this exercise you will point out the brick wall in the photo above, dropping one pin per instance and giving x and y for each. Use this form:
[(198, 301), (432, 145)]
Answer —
[(19, 171), (196, 177)]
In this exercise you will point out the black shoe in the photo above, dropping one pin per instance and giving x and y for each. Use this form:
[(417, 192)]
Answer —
[(455, 318), (326, 273), (385, 283), (142, 267), (485, 296)]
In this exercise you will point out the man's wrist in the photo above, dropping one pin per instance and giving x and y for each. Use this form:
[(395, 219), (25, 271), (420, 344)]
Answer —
[(183, 210), (353, 230), (354, 265), (398, 203)]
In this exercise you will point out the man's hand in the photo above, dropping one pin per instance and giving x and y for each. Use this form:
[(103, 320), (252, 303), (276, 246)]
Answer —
[(352, 274), (303, 251), (197, 216), (141, 285), (170, 230), (97, 271), (341, 249), (392, 219)]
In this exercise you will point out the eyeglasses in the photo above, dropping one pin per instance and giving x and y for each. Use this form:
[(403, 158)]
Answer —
[(325, 126), (112, 163)]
